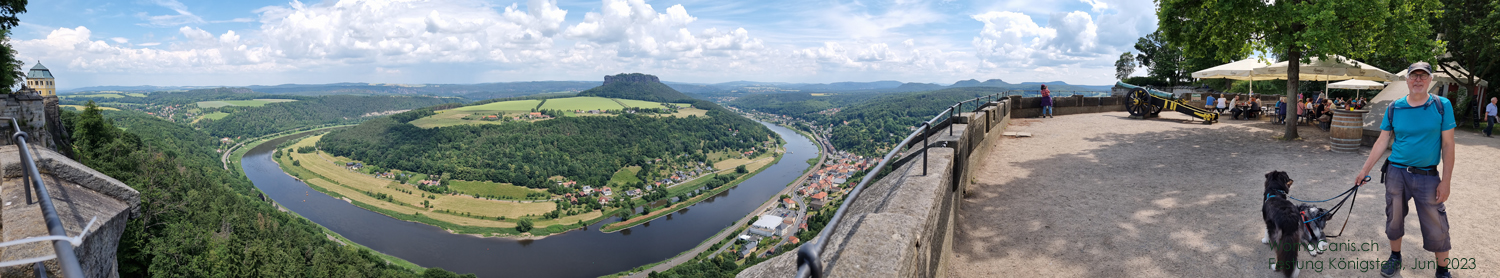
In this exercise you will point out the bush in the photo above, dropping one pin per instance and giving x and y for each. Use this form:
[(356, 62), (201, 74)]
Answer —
[(741, 169), (524, 225)]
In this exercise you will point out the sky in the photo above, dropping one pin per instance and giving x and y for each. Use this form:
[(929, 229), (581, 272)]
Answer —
[(249, 42)]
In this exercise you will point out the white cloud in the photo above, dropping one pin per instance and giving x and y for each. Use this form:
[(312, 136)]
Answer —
[(1012, 39), (634, 29), (1097, 5), (119, 40)]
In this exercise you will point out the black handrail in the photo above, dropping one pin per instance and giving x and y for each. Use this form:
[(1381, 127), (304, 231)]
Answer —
[(66, 258), (809, 263)]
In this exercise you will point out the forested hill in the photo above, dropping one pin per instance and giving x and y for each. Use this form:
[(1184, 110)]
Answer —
[(311, 111), (199, 220), (636, 86), (801, 105), (875, 125), (586, 149)]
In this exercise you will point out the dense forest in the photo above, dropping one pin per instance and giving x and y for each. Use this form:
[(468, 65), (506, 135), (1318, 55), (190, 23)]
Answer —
[(800, 105), (278, 117), (199, 220), (877, 124), (587, 149)]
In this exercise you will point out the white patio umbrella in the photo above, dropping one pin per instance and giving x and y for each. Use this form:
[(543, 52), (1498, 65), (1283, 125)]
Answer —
[(1332, 69), (1237, 70), (1356, 84)]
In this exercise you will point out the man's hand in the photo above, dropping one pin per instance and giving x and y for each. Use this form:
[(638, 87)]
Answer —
[(1442, 191), (1363, 178)]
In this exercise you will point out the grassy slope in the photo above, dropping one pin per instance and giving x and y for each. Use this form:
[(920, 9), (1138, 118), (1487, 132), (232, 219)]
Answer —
[(582, 103)]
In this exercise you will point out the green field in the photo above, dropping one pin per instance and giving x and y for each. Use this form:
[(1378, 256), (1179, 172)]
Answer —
[(215, 115), (582, 103), (254, 102), (136, 94), (639, 103), (484, 188), (514, 105), (625, 175)]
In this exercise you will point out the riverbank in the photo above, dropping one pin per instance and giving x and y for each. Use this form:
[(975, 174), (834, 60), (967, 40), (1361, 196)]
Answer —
[(716, 242), (617, 226), (238, 153), (454, 213)]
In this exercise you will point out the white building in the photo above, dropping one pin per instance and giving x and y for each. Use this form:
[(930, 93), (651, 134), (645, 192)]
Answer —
[(767, 225)]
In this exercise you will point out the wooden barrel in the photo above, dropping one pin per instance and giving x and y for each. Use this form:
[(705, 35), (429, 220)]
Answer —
[(1347, 130)]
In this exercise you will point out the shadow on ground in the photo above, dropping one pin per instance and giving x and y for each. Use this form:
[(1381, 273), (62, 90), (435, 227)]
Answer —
[(1101, 195)]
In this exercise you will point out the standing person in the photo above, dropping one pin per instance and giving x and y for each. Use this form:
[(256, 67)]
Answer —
[(1222, 104), (1418, 129), (1281, 110), (1301, 110), (1489, 116), (1046, 102)]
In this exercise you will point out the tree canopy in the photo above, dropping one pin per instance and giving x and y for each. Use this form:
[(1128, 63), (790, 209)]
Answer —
[(1299, 29)]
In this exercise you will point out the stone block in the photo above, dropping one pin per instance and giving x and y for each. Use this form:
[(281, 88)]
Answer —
[(78, 194)]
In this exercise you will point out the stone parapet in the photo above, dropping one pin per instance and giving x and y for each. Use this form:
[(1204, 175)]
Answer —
[(901, 225), (79, 194)]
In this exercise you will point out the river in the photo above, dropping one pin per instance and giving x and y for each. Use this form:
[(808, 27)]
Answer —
[(587, 253)]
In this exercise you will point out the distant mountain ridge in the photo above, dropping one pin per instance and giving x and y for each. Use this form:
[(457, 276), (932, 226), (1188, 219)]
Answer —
[(637, 86), (482, 91)]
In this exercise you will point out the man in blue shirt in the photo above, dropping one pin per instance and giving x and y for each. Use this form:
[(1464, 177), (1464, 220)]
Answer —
[(1418, 129), (1209, 102), (1489, 116)]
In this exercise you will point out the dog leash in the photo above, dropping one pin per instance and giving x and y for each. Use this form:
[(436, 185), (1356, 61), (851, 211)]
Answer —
[(1351, 198)]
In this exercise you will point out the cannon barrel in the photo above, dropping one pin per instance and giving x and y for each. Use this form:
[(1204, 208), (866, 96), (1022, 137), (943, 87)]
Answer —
[(1149, 90)]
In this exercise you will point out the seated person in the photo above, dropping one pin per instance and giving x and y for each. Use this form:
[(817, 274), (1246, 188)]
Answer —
[(1237, 112), (1255, 110)]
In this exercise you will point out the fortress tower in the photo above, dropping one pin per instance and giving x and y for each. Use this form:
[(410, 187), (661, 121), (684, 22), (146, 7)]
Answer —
[(40, 79)]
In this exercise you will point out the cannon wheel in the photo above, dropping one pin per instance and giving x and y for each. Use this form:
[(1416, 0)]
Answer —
[(1138, 103)]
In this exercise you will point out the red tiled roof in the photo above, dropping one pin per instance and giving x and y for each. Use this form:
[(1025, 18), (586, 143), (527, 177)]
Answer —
[(820, 195)]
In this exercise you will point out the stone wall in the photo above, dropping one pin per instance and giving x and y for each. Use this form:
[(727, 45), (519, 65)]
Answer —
[(902, 224), (1031, 107), (79, 194), (30, 111)]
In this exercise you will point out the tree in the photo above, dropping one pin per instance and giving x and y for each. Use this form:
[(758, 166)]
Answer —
[(1124, 66), (1161, 58), (1469, 28), (741, 169), (524, 225), (1300, 29)]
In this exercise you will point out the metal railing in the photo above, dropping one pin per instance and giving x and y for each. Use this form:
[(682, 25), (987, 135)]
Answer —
[(62, 244), (809, 263)]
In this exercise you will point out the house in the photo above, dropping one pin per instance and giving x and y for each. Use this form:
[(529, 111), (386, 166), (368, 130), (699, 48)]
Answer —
[(648, 187), (820, 196), (608, 191), (789, 203), (492, 117), (603, 200), (588, 189), (767, 225)]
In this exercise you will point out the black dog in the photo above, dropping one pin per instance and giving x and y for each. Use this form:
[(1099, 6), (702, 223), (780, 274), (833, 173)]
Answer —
[(1287, 225)]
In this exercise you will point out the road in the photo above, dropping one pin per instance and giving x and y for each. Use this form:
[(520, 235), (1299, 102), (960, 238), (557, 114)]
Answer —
[(684, 257)]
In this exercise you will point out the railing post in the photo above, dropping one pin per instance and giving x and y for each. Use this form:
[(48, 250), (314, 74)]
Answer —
[(926, 128)]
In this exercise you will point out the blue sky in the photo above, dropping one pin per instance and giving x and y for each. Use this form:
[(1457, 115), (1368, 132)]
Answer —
[(178, 42)]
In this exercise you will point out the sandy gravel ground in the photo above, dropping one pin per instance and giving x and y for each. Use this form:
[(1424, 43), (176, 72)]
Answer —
[(1101, 195)]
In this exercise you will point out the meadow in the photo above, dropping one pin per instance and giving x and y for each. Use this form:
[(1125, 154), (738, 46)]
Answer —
[(505, 109), (327, 173)]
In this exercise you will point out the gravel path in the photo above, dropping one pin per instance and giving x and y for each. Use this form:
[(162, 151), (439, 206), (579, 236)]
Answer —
[(1101, 195)]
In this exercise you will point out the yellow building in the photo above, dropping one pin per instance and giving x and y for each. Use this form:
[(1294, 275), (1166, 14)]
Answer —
[(40, 79)]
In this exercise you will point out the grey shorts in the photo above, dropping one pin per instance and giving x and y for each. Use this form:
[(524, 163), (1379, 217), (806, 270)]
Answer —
[(1402, 187)]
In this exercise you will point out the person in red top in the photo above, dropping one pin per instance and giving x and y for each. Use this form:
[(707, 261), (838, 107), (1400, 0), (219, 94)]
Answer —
[(1046, 102)]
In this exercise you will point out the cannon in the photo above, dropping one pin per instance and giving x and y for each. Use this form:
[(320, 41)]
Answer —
[(1144, 103)]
